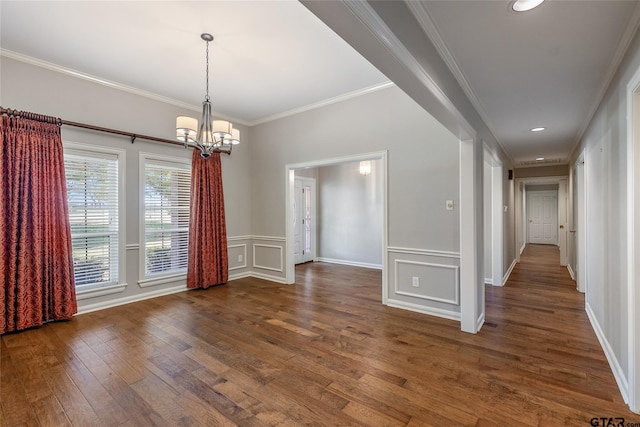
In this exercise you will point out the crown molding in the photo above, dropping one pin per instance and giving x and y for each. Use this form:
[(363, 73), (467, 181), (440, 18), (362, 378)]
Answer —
[(324, 103), (104, 82), (420, 12), (623, 46), (367, 15)]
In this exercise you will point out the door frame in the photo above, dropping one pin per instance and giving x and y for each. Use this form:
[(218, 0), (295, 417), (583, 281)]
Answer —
[(520, 242), (633, 243), (527, 222), (290, 169), (314, 209), (579, 181), (497, 217)]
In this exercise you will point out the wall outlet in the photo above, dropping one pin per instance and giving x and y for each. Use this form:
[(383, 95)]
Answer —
[(449, 205), (415, 282), (240, 258)]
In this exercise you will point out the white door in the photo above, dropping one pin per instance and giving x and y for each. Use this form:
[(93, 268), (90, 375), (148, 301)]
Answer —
[(542, 212), (304, 220)]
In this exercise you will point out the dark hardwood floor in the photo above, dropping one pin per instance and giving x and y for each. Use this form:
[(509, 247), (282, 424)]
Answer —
[(321, 352)]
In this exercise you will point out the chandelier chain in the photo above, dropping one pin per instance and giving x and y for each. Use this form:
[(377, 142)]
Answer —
[(207, 94)]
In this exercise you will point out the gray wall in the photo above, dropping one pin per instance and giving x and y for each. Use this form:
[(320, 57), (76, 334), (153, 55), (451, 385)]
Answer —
[(423, 172), (32, 88), (350, 214), (604, 146)]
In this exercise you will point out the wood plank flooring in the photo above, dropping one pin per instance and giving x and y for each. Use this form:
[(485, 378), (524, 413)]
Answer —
[(321, 352)]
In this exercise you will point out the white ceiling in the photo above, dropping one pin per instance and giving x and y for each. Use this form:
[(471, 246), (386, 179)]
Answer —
[(268, 57), (548, 67)]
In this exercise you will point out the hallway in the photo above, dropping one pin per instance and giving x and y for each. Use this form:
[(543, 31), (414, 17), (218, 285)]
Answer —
[(538, 318)]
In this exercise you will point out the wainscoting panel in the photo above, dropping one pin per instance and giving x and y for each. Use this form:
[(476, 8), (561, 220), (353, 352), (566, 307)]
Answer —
[(424, 280), (237, 256)]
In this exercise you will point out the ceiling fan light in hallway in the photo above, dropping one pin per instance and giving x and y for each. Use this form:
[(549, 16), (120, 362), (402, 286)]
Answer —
[(524, 5)]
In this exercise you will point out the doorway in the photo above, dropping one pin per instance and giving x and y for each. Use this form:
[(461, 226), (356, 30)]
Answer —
[(577, 238), (290, 200), (542, 217), (561, 209), (493, 220), (304, 220)]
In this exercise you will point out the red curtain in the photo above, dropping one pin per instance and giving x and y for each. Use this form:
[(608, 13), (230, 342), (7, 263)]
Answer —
[(36, 260), (208, 262)]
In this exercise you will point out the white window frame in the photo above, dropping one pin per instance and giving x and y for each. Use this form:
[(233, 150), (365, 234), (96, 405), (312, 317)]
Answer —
[(158, 279), (97, 289)]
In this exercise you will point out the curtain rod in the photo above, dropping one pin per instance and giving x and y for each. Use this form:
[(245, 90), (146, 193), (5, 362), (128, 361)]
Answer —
[(58, 121)]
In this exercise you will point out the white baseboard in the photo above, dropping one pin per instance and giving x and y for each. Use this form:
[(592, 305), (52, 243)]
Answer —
[(573, 276), (618, 374), (351, 263), (237, 276), (524, 245), (508, 273), (269, 277), (432, 311), (480, 322), (488, 281), (132, 298)]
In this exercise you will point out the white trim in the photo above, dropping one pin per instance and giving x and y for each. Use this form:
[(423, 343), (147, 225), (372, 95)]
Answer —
[(324, 103), (379, 29), (133, 246), (423, 252), (269, 238), (127, 300), (269, 277), (480, 321), (243, 245), (109, 83), (238, 238), (471, 165), (520, 215), (432, 311), (280, 270), (351, 263), (82, 294), (142, 157), (289, 204), (633, 242), (237, 276), (488, 281), (505, 278), (121, 156), (456, 284), (618, 373), (420, 12), (622, 46), (571, 273), (162, 280)]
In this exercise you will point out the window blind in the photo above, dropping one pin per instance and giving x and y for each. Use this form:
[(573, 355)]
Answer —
[(167, 192), (92, 192)]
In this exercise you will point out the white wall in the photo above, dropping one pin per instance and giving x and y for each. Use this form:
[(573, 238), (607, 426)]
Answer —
[(604, 144), (31, 88), (350, 214)]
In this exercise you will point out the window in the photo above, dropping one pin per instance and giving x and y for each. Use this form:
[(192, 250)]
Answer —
[(165, 215), (93, 192)]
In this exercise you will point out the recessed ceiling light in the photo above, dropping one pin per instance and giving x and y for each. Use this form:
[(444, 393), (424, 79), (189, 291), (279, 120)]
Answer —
[(540, 129), (524, 5), (540, 159)]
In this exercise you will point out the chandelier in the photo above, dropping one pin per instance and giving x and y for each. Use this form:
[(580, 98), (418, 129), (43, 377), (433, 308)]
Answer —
[(212, 136)]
